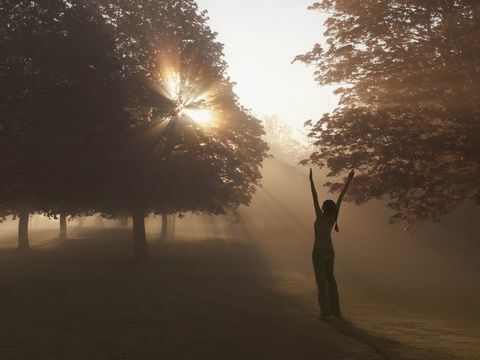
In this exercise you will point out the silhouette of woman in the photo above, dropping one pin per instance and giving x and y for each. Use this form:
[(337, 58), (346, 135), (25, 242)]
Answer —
[(323, 255)]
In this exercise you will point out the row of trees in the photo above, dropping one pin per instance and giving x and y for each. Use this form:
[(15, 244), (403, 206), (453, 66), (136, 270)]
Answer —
[(408, 73), (87, 124)]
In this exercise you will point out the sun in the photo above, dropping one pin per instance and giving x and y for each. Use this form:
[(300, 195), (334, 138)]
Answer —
[(202, 117), (190, 103)]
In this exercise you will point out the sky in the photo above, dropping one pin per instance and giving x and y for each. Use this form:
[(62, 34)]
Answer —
[(261, 39)]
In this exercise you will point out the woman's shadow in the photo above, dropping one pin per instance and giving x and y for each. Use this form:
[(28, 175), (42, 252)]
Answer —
[(376, 343), (385, 347)]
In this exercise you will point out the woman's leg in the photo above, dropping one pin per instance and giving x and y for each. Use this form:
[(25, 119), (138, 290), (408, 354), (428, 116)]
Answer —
[(332, 287), (321, 280)]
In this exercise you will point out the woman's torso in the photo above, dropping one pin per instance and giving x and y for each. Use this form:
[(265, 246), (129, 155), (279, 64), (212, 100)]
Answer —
[(323, 230)]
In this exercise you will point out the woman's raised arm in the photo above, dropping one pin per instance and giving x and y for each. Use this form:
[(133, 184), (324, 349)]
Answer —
[(344, 190), (318, 210)]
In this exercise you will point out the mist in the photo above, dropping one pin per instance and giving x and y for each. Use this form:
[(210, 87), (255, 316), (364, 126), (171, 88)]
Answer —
[(151, 209), (433, 266)]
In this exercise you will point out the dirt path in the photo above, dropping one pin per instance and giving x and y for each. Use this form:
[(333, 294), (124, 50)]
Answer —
[(86, 299)]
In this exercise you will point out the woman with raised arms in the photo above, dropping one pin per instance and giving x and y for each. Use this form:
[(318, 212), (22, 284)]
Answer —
[(323, 254)]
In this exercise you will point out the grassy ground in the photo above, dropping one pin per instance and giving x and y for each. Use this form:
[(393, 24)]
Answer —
[(87, 299)]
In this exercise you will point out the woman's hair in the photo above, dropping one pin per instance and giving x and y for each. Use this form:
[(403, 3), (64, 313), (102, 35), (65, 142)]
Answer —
[(329, 207)]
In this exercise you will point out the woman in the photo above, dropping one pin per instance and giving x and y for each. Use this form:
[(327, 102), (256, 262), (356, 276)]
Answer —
[(323, 255)]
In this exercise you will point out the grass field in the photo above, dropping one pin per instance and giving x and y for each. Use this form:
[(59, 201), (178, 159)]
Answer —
[(213, 299)]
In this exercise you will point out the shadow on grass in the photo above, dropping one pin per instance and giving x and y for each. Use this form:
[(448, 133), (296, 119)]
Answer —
[(387, 348), (347, 328)]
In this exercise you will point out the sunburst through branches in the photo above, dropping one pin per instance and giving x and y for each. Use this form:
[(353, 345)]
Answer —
[(192, 98)]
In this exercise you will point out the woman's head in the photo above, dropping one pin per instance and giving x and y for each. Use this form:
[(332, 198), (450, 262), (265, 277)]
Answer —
[(329, 208)]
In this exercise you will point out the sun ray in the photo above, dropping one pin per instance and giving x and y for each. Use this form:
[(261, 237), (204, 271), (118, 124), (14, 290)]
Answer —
[(193, 98)]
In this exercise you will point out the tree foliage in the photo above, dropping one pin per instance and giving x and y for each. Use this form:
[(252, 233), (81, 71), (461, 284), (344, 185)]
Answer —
[(60, 103), (173, 164), (409, 78)]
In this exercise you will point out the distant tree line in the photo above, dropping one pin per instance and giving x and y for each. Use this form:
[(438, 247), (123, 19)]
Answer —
[(408, 73), (85, 127)]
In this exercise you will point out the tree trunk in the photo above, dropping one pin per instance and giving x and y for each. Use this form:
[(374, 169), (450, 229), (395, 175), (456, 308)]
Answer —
[(171, 236), (23, 243), (164, 233), (63, 227), (139, 237), (124, 222)]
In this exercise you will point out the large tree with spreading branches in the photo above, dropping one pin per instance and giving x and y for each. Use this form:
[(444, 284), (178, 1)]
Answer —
[(408, 73), (175, 79), (61, 109)]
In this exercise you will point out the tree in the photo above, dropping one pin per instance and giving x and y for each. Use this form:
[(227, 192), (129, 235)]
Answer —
[(284, 144), (90, 114), (167, 232), (174, 73), (20, 95), (409, 114), (61, 109)]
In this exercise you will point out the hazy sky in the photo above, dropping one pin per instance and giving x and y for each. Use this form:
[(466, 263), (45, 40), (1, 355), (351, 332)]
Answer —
[(261, 39)]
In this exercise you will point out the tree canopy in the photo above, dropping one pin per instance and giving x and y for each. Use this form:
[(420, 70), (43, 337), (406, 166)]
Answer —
[(409, 78), (61, 106)]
